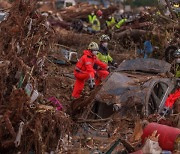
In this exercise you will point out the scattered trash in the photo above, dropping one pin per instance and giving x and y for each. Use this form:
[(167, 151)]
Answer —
[(37, 112), (56, 103)]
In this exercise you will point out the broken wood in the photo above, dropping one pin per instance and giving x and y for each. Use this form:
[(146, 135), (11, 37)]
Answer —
[(131, 32), (93, 121), (135, 26)]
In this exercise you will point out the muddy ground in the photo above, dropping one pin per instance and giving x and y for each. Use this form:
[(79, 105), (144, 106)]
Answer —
[(27, 39)]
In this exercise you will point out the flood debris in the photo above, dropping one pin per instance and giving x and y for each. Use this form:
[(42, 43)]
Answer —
[(133, 85), (27, 126), (39, 45)]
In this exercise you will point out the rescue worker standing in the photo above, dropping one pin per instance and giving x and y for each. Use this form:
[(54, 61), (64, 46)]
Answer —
[(84, 70), (103, 54)]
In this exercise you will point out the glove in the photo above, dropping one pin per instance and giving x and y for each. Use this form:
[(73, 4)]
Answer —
[(111, 68), (115, 65), (91, 83)]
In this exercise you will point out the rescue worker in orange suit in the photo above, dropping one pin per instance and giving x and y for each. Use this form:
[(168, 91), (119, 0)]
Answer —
[(84, 70)]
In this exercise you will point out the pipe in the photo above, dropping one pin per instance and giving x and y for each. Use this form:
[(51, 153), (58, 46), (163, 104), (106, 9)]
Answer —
[(168, 135)]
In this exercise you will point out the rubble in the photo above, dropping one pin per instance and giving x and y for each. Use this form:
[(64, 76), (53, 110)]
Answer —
[(37, 57), (26, 40)]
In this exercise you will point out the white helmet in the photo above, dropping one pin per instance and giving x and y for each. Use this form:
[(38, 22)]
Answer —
[(93, 46), (104, 38), (177, 53)]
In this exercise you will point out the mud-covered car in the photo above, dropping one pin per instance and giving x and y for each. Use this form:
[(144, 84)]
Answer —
[(138, 86)]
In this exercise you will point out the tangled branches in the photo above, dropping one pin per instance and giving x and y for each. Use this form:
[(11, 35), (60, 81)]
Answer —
[(25, 40)]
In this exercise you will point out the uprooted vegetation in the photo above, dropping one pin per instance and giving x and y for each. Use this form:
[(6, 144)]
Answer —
[(26, 42), (26, 39)]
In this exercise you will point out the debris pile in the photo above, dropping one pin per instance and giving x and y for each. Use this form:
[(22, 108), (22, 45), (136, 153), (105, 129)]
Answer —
[(4, 4), (82, 10), (26, 125), (36, 77), (147, 25)]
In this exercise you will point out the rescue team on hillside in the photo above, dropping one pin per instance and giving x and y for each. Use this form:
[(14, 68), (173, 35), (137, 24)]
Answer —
[(95, 22), (95, 62)]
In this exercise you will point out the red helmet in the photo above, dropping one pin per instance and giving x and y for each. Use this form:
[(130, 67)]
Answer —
[(99, 13)]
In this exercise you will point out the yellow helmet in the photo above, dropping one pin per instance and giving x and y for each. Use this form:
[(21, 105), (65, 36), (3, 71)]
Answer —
[(93, 46), (176, 5)]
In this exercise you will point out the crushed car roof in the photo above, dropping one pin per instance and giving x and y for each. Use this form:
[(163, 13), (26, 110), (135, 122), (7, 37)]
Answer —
[(132, 87), (145, 65)]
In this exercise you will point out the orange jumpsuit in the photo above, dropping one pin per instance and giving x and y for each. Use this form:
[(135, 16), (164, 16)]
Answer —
[(84, 70)]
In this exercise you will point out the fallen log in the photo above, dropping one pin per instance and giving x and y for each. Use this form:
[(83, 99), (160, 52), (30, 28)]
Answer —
[(82, 11), (135, 26), (93, 121), (131, 32)]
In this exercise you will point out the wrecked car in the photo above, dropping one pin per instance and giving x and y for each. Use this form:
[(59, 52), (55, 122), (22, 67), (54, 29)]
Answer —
[(138, 86)]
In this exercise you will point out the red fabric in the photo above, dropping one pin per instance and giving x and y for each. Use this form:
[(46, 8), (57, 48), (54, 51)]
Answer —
[(102, 74), (99, 13), (79, 83), (172, 98), (85, 65), (87, 61)]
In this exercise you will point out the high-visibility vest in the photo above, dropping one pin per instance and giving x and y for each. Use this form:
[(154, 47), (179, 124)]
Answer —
[(104, 58), (177, 73), (96, 26), (120, 23), (111, 23), (91, 18)]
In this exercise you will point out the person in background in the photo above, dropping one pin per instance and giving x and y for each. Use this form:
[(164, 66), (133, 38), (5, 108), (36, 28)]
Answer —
[(111, 22), (121, 22), (103, 54), (148, 49), (177, 63), (91, 17), (95, 25), (84, 70)]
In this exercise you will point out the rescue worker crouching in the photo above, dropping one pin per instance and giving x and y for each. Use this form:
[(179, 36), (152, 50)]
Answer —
[(103, 54), (95, 25), (112, 23), (84, 70)]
